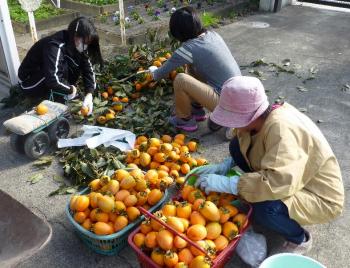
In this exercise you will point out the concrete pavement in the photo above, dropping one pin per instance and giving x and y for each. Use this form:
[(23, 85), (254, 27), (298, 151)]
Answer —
[(315, 41)]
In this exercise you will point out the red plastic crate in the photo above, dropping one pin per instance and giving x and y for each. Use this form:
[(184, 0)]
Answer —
[(221, 259)]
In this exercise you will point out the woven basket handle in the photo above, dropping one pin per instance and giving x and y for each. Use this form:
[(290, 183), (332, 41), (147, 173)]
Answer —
[(150, 215)]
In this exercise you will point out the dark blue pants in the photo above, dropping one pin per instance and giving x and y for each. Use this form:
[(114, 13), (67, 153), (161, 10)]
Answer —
[(272, 215)]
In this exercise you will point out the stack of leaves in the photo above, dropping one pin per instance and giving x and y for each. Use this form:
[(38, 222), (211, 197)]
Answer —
[(83, 165), (130, 100)]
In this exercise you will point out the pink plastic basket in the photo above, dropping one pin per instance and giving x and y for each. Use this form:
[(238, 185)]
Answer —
[(222, 257)]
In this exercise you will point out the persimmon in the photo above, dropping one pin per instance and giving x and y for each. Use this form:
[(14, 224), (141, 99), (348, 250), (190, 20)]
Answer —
[(196, 232), (120, 223), (102, 228), (165, 239), (185, 255), (139, 240)]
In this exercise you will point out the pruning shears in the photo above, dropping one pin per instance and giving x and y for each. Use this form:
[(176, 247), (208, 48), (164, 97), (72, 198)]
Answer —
[(132, 75)]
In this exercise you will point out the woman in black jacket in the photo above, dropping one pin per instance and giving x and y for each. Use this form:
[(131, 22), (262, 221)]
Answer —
[(55, 62)]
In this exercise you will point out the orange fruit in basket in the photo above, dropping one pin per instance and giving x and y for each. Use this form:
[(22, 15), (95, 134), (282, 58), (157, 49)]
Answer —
[(166, 138), (105, 203), (200, 262), (95, 185), (185, 168), (185, 222), (119, 206), (192, 162), (137, 174), (165, 239), (112, 216), (41, 109), (181, 265), (120, 174), (210, 211), (154, 196), (170, 258), (240, 220), (87, 224), (180, 181), (110, 90), (213, 230), (176, 223), (125, 99), (174, 174), (156, 226), (81, 203), (186, 190), (113, 187), (166, 147), (172, 156), (120, 223), (141, 198), (133, 213), (179, 242), (128, 183), (72, 202), (194, 195), (169, 210), (121, 195), (159, 157), (151, 176), (145, 227), (184, 149), (102, 228), (221, 242), (185, 256), (197, 218), (79, 217), (115, 99), (232, 210), (141, 185), (152, 150), (213, 197), (196, 232), (162, 174), (157, 256), (175, 166), (154, 165), (151, 239), (224, 215), (197, 203), (93, 214), (145, 159), (183, 210), (130, 200), (230, 230), (197, 252), (226, 199), (102, 216), (157, 63), (164, 167), (139, 240)]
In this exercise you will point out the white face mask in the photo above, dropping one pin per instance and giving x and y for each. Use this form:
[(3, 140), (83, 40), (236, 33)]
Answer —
[(81, 47)]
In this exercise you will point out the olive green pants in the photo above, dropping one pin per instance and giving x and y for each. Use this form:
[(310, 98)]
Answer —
[(187, 90)]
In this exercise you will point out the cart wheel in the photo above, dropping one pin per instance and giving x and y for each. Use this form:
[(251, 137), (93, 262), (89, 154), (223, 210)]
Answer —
[(36, 144), (58, 130), (17, 143)]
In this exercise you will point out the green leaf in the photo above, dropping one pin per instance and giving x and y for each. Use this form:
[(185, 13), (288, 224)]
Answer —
[(35, 178), (43, 161), (86, 170), (58, 178)]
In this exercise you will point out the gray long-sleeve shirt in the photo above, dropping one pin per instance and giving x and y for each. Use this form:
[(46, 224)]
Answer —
[(209, 58)]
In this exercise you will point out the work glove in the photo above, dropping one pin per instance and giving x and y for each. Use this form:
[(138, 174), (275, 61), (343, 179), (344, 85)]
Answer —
[(73, 94), (88, 103), (218, 183), (152, 69), (220, 169)]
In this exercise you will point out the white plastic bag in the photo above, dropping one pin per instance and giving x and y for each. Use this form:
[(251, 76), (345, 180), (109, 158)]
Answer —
[(252, 248)]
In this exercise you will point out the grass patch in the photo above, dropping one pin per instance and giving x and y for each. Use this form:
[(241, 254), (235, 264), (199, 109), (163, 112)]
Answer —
[(45, 11), (209, 20)]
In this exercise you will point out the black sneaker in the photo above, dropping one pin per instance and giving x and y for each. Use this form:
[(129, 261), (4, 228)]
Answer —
[(212, 126)]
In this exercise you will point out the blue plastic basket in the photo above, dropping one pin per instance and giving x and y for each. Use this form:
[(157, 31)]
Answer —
[(108, 244)]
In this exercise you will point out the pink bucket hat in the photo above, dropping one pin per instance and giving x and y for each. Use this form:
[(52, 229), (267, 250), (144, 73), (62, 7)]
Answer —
[(242, 100)]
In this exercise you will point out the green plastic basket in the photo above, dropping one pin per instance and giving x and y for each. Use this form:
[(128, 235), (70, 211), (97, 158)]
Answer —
[(108, 244)]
